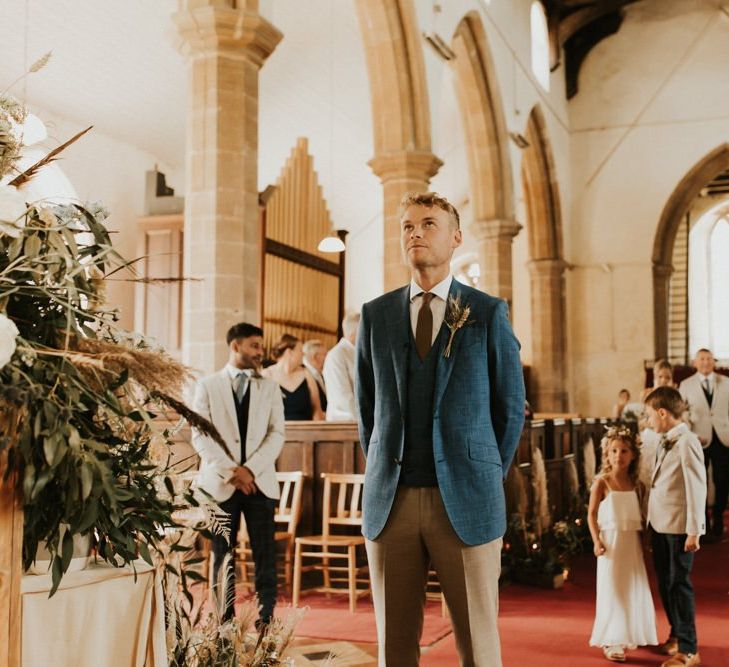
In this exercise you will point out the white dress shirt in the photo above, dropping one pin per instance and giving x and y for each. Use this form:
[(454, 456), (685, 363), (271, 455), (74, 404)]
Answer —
[(437, 304), (234, 373), (710, 378), (339, 380)]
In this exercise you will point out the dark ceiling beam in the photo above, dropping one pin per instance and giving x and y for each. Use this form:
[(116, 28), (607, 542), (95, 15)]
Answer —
[(582, 42), (581, 18)]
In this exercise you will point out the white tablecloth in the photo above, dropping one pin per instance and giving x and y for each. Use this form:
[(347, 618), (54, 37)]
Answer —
[(99, 617)]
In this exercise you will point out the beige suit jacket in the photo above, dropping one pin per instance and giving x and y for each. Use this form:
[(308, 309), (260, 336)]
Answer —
[(677, 501), (264, 439), (703, 416)]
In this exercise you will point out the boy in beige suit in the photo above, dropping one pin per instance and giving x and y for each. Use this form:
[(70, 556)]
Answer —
[(676, 515)]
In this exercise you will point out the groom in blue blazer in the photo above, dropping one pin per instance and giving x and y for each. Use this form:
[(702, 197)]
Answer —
[(440, 394)]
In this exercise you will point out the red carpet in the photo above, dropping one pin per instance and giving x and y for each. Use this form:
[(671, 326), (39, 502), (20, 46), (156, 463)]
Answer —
[(330, 619), (552, 628)]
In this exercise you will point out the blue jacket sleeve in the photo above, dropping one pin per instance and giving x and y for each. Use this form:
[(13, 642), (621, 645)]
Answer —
[(506, 380), (364, 380)]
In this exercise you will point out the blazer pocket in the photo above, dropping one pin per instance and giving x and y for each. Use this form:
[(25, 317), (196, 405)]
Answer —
[(481, 451)]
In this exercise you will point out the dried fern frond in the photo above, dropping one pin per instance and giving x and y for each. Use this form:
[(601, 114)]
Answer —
[(155, 370), (25, 176), (198, 422)]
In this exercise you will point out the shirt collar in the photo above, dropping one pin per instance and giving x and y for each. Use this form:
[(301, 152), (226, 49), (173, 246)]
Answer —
[(440, 290), (234, 372), (709, 377), (677, 431)]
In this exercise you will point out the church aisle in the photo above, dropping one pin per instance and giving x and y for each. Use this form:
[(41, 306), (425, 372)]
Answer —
[(552, 628)]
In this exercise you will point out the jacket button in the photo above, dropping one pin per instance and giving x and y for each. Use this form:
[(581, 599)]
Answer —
[(397, 461), (238, 441)]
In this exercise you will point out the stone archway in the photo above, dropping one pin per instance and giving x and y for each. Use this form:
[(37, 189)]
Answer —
[(401, 115), (547, 267), (491, 191), (673, 214)]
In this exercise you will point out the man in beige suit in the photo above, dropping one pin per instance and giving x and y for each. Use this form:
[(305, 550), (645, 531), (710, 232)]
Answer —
[(707, 394), (247, 411), (676, 516)]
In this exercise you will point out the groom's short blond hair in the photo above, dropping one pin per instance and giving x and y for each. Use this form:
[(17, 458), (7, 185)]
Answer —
[(430, 200)]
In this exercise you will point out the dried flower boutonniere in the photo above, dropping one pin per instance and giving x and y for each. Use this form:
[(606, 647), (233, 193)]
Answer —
[(456, 317), (668, 443)]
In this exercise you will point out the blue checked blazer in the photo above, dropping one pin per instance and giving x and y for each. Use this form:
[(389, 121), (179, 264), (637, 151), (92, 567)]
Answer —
[(478, 411)]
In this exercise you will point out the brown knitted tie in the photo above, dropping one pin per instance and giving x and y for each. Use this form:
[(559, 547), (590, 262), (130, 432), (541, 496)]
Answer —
[(424, 328)]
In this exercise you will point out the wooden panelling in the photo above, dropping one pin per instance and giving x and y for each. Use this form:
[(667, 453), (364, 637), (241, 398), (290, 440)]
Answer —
[(314, 448), (158, 305)]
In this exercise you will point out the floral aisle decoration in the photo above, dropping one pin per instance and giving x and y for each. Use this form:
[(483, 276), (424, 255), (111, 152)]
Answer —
[(78, 401), (78, 386)]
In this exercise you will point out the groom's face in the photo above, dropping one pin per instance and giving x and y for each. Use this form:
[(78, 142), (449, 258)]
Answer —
[(428, 236)]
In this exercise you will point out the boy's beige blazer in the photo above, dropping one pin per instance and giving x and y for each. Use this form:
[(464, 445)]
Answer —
[(677, 502)]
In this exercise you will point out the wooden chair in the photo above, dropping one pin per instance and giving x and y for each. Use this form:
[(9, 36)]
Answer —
[(287, 518), (329, 547)]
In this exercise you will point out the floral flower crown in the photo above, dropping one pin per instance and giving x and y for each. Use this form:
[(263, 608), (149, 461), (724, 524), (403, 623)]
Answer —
[(619, 432)]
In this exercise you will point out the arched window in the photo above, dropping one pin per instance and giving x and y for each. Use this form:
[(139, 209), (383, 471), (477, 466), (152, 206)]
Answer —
[(540, 44), (708, 278)]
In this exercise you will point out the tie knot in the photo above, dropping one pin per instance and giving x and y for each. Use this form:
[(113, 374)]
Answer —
[(427, 298)]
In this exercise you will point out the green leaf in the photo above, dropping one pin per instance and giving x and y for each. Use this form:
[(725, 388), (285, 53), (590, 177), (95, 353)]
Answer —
[(144, 552), (169, 486), (50, 448), (56, 574), (88, 518), (66, 550), (87, 480)]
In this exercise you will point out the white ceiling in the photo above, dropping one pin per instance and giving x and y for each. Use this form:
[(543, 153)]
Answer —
[(115, 66)]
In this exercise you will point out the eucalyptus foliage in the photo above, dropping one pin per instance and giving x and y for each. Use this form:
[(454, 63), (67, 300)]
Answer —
[(82, 449)]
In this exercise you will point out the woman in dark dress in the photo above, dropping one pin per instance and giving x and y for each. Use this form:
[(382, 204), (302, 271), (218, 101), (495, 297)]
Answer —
[(298, 387)]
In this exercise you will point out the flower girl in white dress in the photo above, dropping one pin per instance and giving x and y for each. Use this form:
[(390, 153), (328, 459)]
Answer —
[(624, 612)]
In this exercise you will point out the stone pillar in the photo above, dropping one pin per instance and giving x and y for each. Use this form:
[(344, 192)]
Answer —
[(548, 323), (400, 172), (661, 291), (225, 43), (494, 256)]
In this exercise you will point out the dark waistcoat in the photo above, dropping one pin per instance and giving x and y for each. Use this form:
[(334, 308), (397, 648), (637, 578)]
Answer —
[(418, 462)]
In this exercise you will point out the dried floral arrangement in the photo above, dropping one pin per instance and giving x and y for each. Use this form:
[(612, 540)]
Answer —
[(78, 400), (78, 394)]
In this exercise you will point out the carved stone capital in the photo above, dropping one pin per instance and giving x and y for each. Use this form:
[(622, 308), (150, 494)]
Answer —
[(547, 267), (405, 165), (211, 28), (502, 229)]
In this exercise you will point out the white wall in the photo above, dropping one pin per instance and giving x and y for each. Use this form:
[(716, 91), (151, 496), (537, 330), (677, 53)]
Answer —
[(653, 101), (104, 169), (507, 27)]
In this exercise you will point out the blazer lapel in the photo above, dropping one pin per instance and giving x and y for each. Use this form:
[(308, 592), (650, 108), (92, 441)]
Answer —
[(398, 329), (659, 461), (444, 367), (254, 387), (226, 396)]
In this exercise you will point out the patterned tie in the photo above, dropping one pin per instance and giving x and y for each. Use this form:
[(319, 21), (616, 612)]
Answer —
[(707, 389), (424, 328), (241, 386)]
